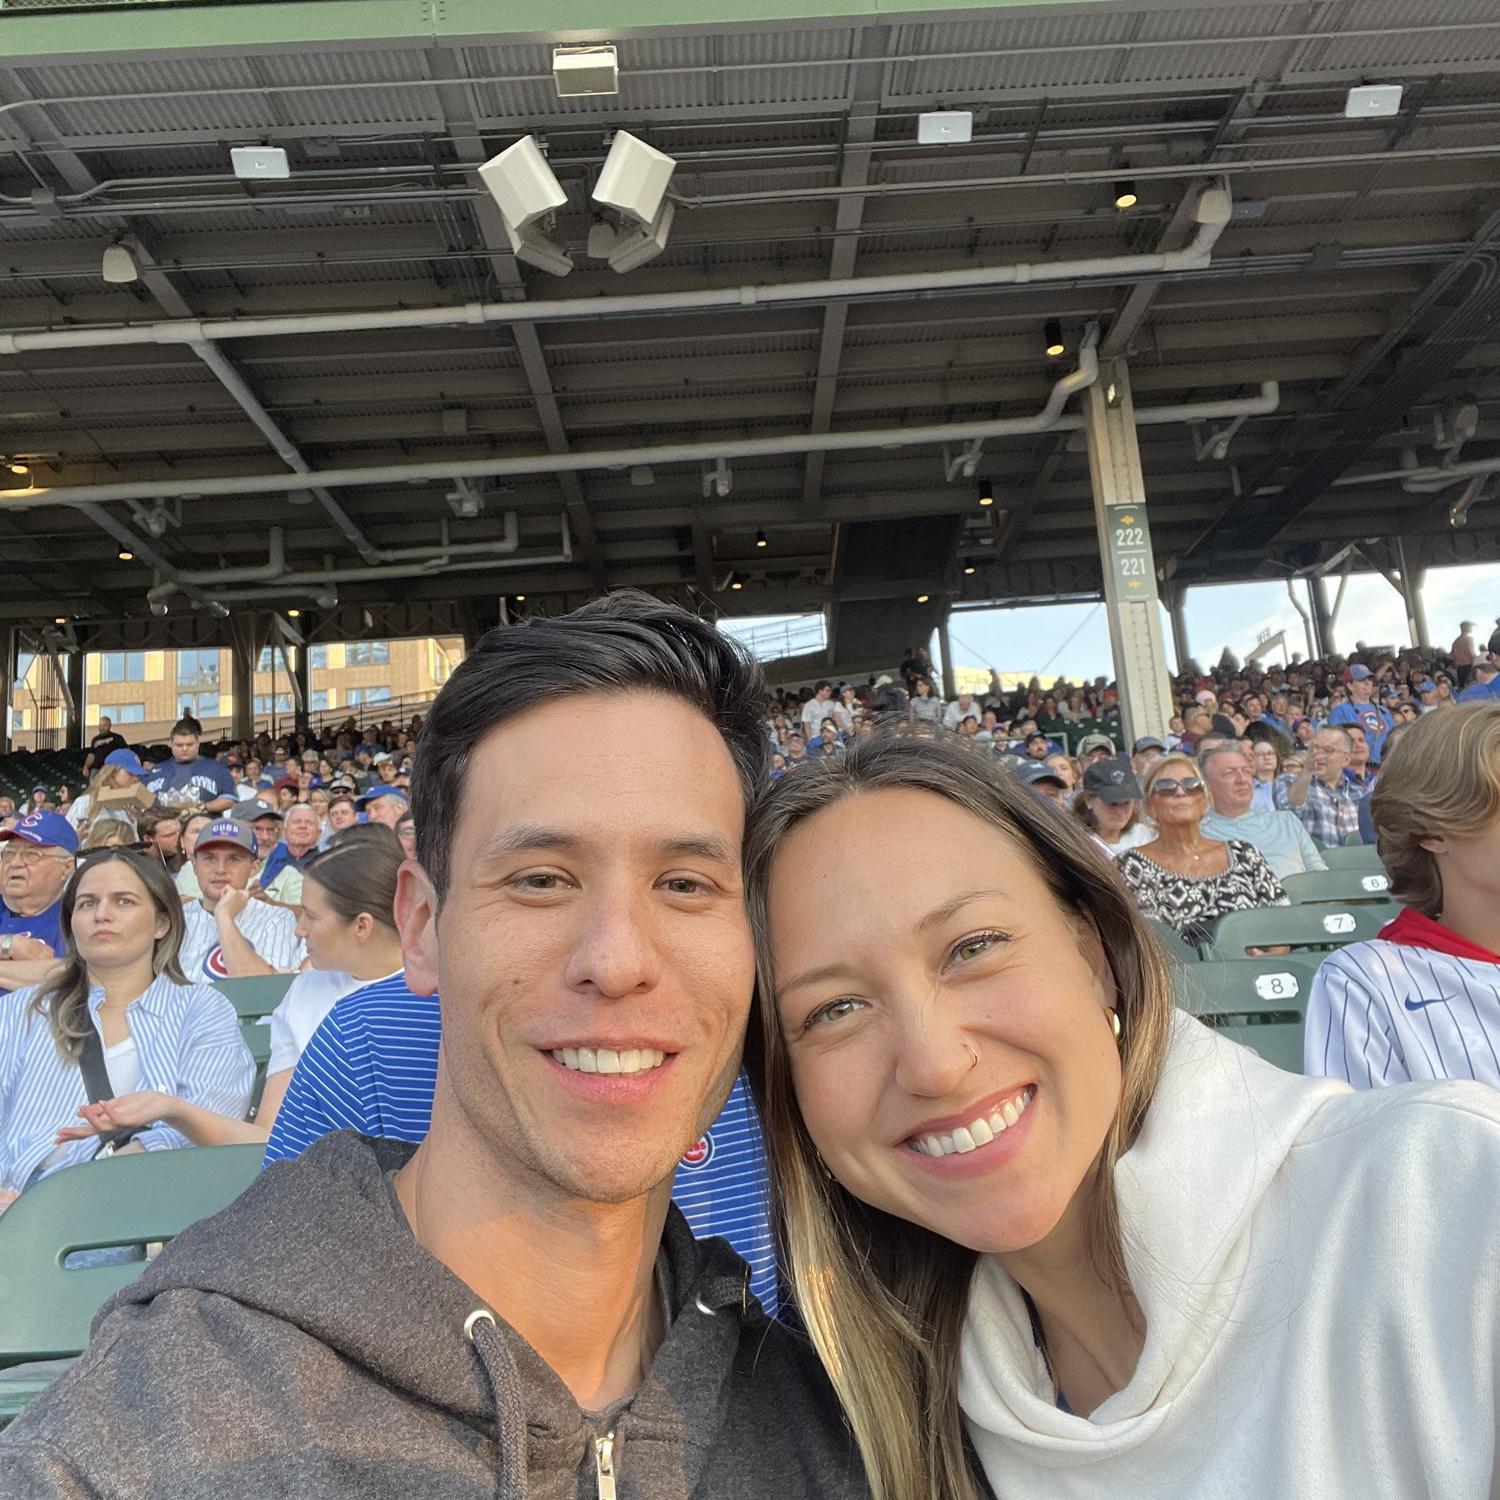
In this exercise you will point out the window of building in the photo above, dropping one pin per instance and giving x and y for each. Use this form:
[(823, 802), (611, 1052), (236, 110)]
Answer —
[(200, 705), (318, 657), (18, 718), (25, 660), (268, 661), (368, 654), (198, 668), (128, 713), (263, 703), (321, 699), (368, 695), (122, 666)]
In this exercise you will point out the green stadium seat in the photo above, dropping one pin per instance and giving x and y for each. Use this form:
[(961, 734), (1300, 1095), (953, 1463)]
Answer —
[(1356, 886), (1258, 1002), (1307, 926), (257, 1035), (1175, 945), (256, 996), (1354, 857), (140, 1199)]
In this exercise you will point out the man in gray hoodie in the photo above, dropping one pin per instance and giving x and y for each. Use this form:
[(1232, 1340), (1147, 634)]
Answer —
[(511, 1308)]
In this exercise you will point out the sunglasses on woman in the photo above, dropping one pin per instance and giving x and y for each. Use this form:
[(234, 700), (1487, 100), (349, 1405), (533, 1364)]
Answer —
[(1169, 784)]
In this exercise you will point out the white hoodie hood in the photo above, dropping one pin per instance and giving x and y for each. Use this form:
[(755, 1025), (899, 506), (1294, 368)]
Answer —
[(1270, 1223)]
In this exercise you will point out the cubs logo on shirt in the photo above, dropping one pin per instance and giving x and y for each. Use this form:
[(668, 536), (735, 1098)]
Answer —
[(215, 965), (699, 1154)]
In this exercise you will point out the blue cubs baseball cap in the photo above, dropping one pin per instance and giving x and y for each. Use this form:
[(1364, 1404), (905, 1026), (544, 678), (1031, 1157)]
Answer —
[(45, 829), (127, 758)]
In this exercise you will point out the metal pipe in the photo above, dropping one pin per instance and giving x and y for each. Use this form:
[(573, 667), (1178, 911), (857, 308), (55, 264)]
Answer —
[(273, 567), (195, 331), (407, 562), (680, 453)]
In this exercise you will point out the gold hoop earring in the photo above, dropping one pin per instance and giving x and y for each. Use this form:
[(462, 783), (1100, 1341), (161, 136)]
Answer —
[(1114, 1023)]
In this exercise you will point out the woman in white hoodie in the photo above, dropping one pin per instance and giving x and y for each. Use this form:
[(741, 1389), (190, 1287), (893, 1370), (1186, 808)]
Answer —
[(1051, 1234)]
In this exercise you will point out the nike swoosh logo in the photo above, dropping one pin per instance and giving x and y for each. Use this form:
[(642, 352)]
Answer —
[(1423, 1004)]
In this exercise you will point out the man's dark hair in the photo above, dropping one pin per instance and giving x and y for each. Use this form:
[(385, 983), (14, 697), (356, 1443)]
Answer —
[(625, 642), (186, 726)]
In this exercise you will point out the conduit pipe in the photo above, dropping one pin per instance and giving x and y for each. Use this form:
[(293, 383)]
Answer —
[(679, 453), (273, 567), (623, 458), (1212, 210), (400, 562)]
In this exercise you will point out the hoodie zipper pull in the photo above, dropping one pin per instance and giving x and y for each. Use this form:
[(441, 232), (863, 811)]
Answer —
[(604, 1465)]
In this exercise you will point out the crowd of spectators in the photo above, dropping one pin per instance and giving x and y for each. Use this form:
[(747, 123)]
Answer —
[(277, 856), (1260, 769)]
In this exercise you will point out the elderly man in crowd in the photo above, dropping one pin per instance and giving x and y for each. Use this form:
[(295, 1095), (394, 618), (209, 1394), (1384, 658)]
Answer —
[(385, 804), (37, 860), (1281, 839), (281, 875), (1320, 794), (230, 934)]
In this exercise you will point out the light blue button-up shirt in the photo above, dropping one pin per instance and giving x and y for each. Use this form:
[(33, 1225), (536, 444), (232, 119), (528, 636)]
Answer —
[(187, 1038)]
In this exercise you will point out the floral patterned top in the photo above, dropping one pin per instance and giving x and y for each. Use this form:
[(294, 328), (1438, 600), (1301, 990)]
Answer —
[(1185, 902)]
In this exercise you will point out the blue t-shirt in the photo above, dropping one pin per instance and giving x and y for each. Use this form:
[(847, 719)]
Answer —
[(1371, 717), (46, 925), (1481, 692), (201, 780), (372, 1067)]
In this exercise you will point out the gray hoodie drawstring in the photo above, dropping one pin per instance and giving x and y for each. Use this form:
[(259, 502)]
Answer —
[(512, 1481)]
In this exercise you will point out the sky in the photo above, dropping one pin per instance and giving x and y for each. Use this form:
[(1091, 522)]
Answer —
[(1072, 640)]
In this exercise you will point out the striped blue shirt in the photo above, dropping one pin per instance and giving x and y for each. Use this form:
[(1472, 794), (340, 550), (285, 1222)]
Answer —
[(187, 1037), (372, 1067), (1382, 1013)]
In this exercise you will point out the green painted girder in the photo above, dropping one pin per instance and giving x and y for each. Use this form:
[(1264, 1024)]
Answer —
[(78, 32)]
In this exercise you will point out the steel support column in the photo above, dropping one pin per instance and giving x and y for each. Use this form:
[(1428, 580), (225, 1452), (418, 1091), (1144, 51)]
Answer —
[(74, 669), (1322, 619), (1130, 592), (1176, 599), (7, 681), (950, 678), (242, 659), (1413, 576), (302, 691)]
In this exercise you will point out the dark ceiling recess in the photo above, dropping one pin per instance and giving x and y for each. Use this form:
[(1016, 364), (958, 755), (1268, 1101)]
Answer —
[(1459, 311)]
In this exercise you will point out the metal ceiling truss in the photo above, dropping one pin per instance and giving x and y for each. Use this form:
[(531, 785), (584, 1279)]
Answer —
[(826, 278)]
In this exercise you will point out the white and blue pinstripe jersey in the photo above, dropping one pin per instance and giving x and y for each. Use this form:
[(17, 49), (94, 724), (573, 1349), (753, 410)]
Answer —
[(1382, 1012)]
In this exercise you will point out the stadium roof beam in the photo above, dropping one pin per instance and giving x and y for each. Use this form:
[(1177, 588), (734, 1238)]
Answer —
[(1194, 256)]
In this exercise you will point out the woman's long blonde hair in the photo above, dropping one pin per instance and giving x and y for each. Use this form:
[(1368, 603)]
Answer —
[(884, 1299)]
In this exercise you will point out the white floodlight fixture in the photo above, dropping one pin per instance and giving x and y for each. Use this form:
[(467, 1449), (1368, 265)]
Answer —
[(945, 127), (527, 193), (635, 178), (580, 72), (532, 246), (634, 247), (522, 184), (119, 267), (251, 163), (1373, 101)]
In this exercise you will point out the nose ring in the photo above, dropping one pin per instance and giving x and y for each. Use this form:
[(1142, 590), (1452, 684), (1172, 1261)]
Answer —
[(972, 1053)]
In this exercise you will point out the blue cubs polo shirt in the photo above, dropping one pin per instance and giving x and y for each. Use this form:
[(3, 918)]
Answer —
[(46, 925), (372, 1067)]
